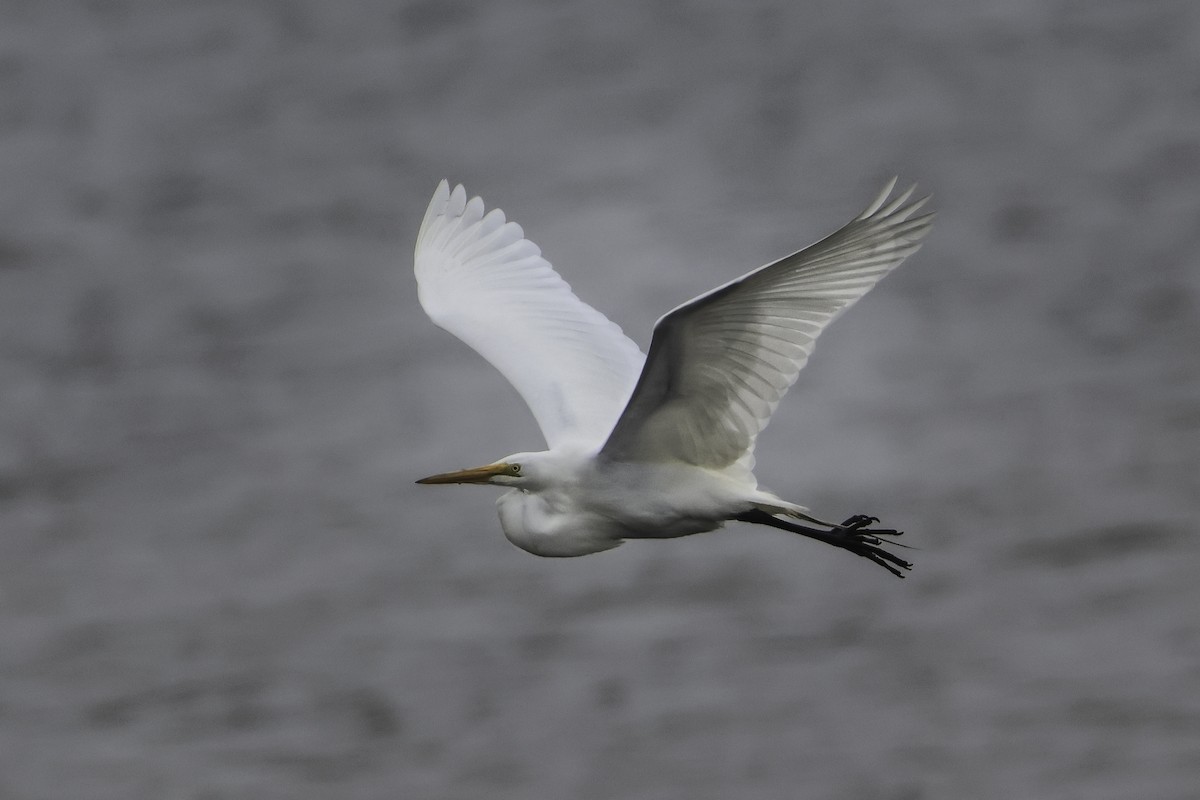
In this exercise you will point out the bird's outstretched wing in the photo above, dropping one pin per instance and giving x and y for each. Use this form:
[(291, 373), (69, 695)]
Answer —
[(719, 364), (479, 278)]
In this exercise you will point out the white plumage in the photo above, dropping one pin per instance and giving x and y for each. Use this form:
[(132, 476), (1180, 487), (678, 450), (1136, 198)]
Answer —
[(481, 279), (650, 446)]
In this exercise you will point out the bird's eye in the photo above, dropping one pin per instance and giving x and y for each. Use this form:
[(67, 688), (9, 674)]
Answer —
[(515, 469)]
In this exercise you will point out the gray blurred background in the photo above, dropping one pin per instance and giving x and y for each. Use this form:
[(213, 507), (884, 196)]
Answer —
[(218, 580)]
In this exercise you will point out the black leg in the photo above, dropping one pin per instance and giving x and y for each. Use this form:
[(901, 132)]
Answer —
[(853, 535)]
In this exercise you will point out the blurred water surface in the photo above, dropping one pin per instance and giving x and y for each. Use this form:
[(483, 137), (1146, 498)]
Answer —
[(218, 580)]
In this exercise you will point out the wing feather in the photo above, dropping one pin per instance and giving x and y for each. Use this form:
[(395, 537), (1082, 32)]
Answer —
[(719, 365), (479, 278)]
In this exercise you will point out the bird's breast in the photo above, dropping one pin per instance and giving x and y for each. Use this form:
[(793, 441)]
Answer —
[(548, 525)]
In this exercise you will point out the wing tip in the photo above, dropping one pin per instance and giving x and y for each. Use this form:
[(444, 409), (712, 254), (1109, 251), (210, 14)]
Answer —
[(895, 210), (880, 199), (437, 205)]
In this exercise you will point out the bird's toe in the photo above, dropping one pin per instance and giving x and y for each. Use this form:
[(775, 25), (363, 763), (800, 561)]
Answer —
[(860, 539), (858, 521)]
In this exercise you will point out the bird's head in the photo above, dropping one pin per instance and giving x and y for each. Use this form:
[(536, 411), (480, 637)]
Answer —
[(518, 471)]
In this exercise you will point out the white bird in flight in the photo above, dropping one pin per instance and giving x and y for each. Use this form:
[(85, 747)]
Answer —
[(649, 446)]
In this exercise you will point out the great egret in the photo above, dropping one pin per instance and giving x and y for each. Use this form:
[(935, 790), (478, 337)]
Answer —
[(654, 446)]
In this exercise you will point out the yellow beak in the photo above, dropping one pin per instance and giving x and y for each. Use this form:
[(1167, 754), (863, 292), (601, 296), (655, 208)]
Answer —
[(473, 475)]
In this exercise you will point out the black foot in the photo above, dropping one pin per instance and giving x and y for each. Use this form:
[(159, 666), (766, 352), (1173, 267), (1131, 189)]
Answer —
[(858, 521), (854, 535)]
